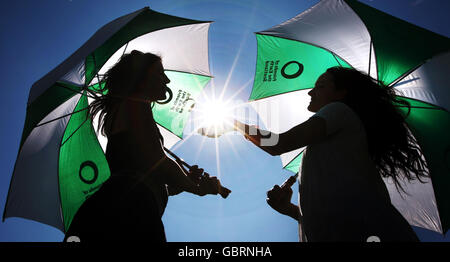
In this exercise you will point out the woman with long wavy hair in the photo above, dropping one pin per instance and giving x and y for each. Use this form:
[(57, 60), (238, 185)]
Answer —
[(356, 137), (129, 205)]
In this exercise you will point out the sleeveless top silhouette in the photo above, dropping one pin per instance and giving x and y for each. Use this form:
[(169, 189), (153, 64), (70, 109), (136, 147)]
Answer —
[(124, 160), (128, 206)]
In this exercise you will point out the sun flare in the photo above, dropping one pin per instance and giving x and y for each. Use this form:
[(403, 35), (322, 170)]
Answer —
[(215, 117), (214, 113)]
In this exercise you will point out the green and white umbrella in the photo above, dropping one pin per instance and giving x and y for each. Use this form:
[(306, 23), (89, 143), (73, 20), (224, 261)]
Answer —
[(347, 33), (61, 158)]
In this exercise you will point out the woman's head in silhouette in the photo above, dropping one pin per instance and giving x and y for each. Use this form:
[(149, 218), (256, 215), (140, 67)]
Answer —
[(392, 146), (324, 92), (136, 76)]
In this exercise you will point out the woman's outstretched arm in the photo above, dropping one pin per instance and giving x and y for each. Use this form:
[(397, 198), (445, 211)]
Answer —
[(309, 132)]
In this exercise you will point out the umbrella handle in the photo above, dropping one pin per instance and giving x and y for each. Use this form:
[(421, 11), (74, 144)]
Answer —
[(290, 181), (223, 191)]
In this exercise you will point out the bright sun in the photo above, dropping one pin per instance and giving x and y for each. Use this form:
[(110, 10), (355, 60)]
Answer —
[(215, 117), (214, 113)]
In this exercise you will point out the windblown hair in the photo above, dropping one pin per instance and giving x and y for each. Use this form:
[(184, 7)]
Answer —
[(119, 82), (392, 146)]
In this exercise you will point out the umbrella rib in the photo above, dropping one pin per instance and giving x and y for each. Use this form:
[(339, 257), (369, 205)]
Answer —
[(74, 131), (336, 59), (169, 130), (95, 66), (422, 107), (308, 43), (405, 74), (178, 71), (294, 158), (76, 91), (125, 49), (261, 98), (432, 106), (370, 56), (57, 118)]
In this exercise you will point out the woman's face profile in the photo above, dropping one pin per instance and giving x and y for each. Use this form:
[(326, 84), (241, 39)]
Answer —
[(324, 92), (154, 84)]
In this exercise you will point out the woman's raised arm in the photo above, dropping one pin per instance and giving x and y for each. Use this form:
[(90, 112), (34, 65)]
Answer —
[(311, 131)]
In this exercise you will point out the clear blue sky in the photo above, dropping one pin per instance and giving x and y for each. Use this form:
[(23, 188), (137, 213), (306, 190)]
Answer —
[(35, 36)]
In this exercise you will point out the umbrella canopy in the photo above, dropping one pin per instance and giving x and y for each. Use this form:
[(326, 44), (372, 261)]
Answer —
[(61, 159), (292, 55)]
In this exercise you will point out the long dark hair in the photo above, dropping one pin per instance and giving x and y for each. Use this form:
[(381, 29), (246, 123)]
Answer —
[(119, 82), (392, 146)]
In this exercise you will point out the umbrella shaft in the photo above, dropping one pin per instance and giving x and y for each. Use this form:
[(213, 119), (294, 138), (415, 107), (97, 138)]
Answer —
[(223, 191), (179, 160)]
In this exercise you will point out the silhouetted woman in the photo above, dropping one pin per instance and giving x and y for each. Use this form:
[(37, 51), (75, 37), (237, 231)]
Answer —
[(130, 204), (356, 137)]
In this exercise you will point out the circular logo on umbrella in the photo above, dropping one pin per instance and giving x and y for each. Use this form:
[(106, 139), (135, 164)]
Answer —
[(93, 166), (294, 75)]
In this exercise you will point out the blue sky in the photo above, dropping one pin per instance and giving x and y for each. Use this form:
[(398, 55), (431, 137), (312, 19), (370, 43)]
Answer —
[(35, 36)]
